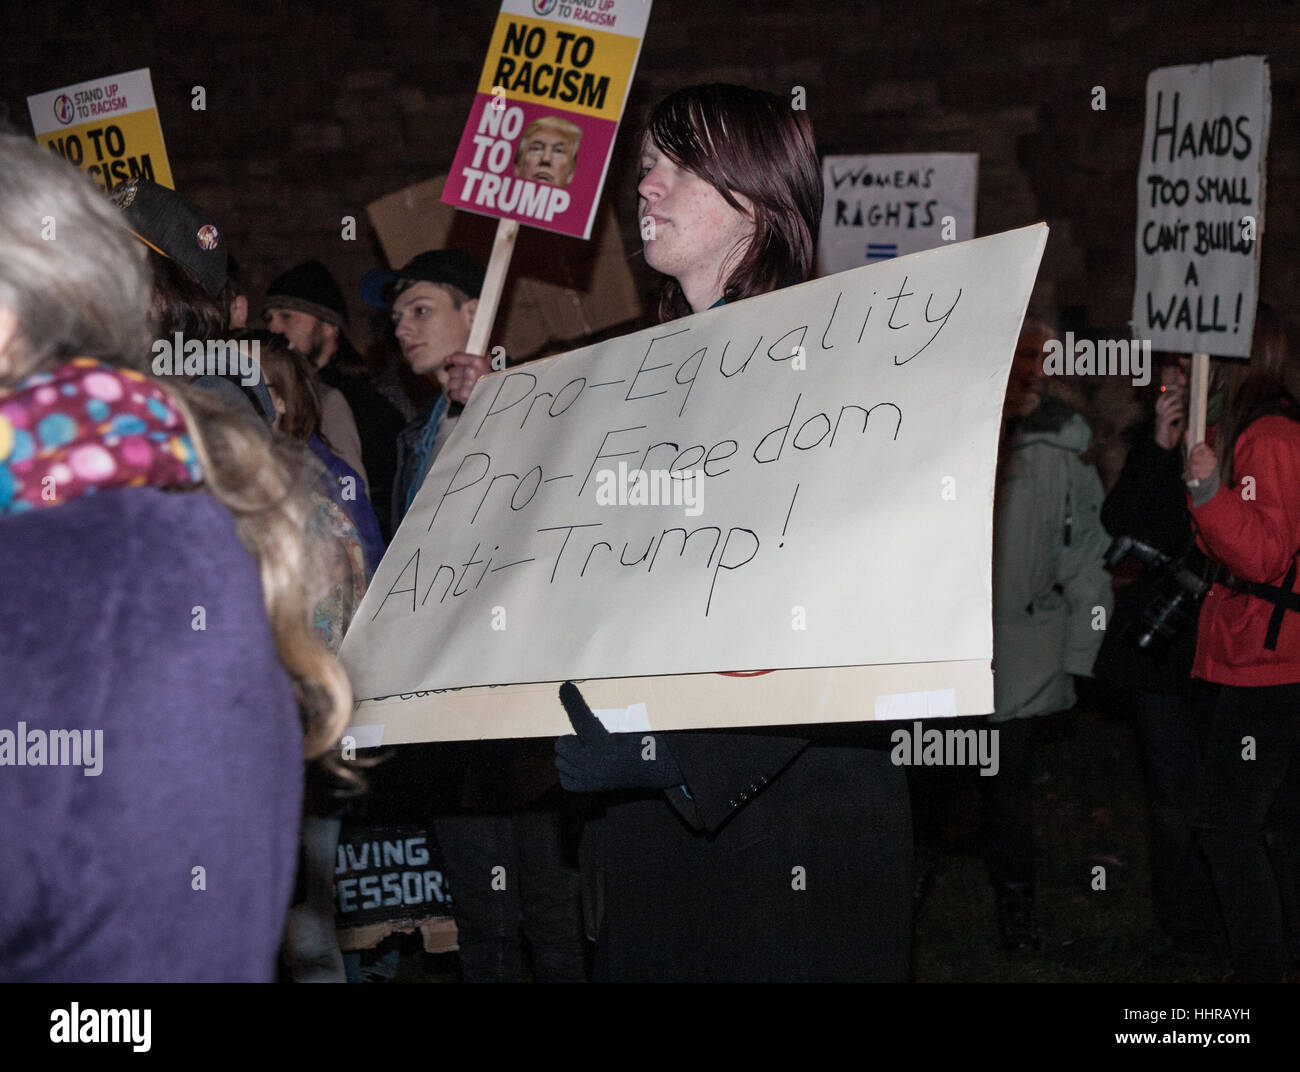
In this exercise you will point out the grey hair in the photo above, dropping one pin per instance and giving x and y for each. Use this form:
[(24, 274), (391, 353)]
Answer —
[(71, 272)]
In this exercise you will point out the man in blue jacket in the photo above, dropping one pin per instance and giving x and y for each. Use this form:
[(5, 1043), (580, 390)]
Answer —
[(504, 807)]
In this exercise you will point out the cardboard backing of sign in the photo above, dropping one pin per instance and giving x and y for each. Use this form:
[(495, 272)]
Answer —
[(559, 290), (683, 702)]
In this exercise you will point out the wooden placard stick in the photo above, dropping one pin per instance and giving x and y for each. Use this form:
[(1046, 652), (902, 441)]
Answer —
[(493, 282), (1198, 393)]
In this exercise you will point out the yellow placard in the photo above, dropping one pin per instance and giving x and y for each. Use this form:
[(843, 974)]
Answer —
[(582, 70), (110, 150)]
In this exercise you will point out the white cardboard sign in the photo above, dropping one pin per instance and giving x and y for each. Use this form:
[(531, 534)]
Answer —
[(1201, 206), (888, 205), (843, 438)]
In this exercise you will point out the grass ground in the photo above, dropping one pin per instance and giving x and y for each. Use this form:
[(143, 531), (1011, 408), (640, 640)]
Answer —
[(1089, 811)]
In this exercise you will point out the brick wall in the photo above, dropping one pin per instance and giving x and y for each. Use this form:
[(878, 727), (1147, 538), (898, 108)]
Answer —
[(315, 109)]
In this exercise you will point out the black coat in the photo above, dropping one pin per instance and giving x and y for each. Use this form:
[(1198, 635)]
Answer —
[(788, 861), (1149, 501)]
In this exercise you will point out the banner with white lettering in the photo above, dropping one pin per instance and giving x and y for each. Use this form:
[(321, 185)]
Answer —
[(800, 480), (386, 873), (1201, 206), (891, 204), (542, 125)]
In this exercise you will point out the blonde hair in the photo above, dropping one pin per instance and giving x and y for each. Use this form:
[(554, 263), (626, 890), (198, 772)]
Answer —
[(86, 294), (267, 489)]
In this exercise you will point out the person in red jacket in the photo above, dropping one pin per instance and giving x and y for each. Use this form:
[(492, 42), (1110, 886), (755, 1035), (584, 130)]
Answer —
[(1245, 502)]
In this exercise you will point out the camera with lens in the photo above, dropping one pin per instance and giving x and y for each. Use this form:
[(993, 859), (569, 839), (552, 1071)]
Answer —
[(1174, 589)]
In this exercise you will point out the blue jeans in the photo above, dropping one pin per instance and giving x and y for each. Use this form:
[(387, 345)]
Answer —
[(1249, 819)]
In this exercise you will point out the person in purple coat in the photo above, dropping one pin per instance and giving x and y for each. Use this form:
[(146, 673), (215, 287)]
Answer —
[(160, 683)]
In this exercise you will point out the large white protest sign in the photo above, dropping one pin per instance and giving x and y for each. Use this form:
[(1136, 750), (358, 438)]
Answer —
[(1201, 206), (823, 460), (891, 204)]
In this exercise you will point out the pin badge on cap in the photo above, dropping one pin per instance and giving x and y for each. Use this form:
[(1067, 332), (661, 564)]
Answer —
[(125, 193), (208, 237)]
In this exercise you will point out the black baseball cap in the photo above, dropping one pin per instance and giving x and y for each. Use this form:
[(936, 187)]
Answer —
[(453, 267), (175, 227)]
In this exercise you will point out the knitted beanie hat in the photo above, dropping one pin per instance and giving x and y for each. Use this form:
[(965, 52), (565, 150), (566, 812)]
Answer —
[(309, 288)]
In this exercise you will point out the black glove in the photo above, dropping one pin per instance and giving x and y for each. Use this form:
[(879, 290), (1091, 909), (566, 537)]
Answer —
[(595, 759)]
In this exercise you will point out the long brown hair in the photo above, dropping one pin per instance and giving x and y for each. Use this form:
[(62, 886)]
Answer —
[(179, 303), (288, 372), (748, 142), (1259, 387)]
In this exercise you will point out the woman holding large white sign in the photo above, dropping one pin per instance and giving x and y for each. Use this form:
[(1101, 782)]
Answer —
[(739, 856)]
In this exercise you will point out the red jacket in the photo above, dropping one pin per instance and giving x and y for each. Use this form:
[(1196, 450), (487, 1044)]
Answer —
[(1254, 530)]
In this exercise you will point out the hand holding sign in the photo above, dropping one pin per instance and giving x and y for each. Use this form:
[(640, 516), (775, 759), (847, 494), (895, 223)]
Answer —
[(463, 372), (596, 760), (1201, 464)]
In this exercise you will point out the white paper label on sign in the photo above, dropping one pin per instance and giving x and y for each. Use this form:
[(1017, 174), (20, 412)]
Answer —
[(935, 704), (633, 719), (367, 736)]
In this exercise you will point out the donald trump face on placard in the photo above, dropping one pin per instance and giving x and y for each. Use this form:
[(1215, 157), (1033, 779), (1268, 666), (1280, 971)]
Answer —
[(548, 151)]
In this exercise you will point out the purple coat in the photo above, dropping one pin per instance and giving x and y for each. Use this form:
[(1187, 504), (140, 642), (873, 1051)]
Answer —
[(201, 757)]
